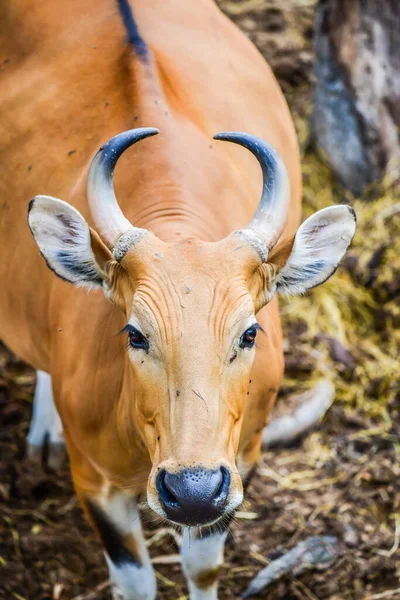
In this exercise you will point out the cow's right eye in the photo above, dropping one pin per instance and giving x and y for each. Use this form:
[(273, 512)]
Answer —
[(136, 338)]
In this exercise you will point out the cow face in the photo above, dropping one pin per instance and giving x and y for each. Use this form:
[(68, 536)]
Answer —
[(191, 328), (190, 311), (191, 332)]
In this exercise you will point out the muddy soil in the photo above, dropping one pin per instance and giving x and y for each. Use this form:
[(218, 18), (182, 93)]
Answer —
[(342, 480)]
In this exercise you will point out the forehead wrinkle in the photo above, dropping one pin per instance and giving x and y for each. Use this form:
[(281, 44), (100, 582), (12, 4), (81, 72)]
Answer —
[(156, 299), (225, 305), (216, 317), (242, 310)]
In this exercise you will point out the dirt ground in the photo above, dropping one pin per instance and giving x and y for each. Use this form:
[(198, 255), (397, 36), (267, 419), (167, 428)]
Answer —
[(342, 480)]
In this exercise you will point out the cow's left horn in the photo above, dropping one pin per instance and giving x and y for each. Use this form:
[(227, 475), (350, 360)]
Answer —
[(106, 213), (270, 219)]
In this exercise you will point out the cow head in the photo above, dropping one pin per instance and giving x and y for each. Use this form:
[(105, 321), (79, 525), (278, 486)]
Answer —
[(190, 312)]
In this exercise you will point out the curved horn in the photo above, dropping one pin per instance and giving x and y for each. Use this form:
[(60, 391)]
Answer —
[(103, 204), (270, 219)]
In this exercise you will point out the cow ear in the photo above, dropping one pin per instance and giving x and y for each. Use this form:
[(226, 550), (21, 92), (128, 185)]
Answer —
[(319, 245), (69, 246), (310, 257)]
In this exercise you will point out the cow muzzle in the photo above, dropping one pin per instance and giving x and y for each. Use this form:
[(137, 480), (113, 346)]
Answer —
[(194, 496)]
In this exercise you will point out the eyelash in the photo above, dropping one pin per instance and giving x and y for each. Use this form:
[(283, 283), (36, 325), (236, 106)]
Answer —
[(251, 334), (136, 339)]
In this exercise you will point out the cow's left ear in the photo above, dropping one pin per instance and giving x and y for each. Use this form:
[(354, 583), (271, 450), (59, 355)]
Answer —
[(69, 246), (310, 257)]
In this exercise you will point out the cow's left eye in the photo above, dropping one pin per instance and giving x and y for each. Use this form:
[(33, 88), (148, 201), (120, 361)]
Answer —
[(248, 338)]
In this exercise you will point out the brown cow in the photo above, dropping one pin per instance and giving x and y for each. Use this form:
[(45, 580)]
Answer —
[(173, 408)]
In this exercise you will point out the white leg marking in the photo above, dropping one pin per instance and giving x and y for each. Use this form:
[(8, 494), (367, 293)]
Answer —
[(201, 561), (132, 583), (130, 579), (46, 423)]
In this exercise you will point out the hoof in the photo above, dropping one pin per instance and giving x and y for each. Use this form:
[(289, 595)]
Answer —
[(34, 454), (45, 441), (52, 455), (116, 594)]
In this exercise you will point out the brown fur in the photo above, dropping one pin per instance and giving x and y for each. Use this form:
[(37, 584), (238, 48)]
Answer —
[(206, 579)]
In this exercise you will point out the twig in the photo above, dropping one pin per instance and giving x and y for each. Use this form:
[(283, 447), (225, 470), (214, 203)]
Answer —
[(246, 516), (163, 532), (314, 553), (169, 559), (396, 543), (57, 591), (387, 594), (92, 595), (289, 481), (300, 585), (165, 580)]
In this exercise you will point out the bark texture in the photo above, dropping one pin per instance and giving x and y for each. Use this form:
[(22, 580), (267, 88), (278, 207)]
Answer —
[(356, 116)]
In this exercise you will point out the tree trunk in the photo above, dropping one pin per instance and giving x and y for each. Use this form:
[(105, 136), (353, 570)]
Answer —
[(356, 116)]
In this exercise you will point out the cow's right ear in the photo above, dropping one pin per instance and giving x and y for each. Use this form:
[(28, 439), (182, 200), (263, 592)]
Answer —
[(69, 246)]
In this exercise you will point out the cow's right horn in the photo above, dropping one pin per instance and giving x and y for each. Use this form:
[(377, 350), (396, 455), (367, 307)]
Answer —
[(108, 217)]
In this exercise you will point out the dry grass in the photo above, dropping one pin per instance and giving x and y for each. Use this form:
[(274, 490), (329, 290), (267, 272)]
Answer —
[(358, 306)]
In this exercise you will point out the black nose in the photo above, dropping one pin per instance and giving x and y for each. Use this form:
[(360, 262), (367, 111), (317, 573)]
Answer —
[(194, 496)]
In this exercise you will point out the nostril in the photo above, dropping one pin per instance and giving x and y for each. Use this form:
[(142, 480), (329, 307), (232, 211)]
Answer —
[(223, 488), (166, 495), (194, 496)]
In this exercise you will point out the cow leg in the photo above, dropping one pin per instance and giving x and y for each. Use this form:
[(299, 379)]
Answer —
[(117, 521), (202, 559), (45, 429), (203, 550)]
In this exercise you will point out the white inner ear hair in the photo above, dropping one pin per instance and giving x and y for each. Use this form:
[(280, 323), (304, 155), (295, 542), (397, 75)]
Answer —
[(63, 238), (320, 243)]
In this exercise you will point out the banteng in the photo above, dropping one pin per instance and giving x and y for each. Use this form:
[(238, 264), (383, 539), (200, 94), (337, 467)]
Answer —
[(184, 260)]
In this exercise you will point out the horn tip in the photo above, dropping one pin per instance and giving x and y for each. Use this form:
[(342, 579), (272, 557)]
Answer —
[(238, 137), (224, 135)]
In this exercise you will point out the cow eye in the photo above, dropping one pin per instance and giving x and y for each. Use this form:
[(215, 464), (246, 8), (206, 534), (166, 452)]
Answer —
[(248, 338), (137, 339)]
